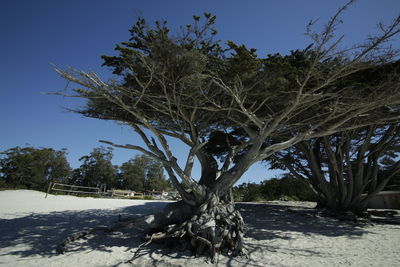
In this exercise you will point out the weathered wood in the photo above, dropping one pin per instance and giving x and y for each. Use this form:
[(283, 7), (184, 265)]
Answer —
[(48, 189)]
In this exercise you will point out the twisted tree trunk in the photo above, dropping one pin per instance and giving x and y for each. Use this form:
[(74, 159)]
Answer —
[(209, 228), (205, 221), (344, 173)]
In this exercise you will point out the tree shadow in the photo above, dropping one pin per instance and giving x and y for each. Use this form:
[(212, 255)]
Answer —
[(43, 232), (266, 222), (282, 224)]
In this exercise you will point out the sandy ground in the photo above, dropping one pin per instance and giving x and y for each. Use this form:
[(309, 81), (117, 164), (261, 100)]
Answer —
[(278, 234)]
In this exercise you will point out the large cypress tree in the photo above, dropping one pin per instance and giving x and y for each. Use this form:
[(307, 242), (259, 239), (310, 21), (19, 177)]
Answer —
[(192, 89)]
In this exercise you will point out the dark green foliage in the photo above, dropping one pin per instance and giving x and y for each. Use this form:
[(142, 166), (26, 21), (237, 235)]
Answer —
[(153, 54), (3, 184), (155, 179), (247, 192), (142, 173), (147, 198), (191, 64), (33, 168), (132, 174), (287, 187), (96, 169)]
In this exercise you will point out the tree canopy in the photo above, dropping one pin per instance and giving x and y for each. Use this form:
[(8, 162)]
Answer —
[(142, 173), (96, 169), (33, 168), (189, 87)]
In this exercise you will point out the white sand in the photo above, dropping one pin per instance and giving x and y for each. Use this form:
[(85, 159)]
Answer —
[(31, 227)]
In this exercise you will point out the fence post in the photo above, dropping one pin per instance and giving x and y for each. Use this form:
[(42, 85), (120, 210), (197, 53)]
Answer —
[(69, 189), (48, 189)]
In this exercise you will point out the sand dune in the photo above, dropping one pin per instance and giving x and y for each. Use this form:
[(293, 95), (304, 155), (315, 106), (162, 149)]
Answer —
[(278, 234)]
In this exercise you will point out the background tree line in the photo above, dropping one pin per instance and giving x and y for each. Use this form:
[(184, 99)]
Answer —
[(287, 187), (34, 168)]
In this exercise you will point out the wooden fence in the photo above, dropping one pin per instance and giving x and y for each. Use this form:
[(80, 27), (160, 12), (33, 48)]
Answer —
[(72, 189)]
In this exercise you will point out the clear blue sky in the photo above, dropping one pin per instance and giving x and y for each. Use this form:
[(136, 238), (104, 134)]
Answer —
[(34, 33)]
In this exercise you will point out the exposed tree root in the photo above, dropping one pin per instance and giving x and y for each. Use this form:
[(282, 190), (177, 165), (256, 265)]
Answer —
[(206, 230), (214, 227), (61, 247)]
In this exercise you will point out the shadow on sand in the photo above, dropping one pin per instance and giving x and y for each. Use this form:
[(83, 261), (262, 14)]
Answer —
[(282, 224), (43, 232), (266, 221)]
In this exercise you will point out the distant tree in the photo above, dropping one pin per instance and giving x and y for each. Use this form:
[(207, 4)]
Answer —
[(188, 87), (133, 173), (248, 192), (143, 173), (76, 177), (33, 168), (155, 179), (346, 169), (96, 169), (270, 189), (287, 186)]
